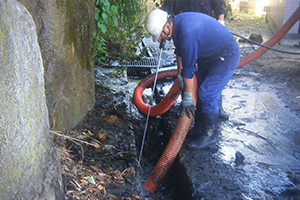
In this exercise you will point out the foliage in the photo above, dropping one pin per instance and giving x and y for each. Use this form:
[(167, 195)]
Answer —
[(118, 29), (105, 14), (242, 15), (228, 7), (158, 3)]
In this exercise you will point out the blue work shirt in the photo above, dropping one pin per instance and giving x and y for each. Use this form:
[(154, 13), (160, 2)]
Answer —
[(199, 37)]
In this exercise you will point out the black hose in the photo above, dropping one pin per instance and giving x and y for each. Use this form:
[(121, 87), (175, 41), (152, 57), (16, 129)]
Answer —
[(271, 48)]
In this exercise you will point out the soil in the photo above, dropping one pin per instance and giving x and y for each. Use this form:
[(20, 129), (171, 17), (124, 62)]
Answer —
[(100, 156)]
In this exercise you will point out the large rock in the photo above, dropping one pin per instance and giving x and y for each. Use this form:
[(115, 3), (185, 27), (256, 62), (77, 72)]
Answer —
[(29, 168), (65, 33)]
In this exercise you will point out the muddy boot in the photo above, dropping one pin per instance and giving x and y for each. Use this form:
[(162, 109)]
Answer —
[(208, 137), (222, 114)]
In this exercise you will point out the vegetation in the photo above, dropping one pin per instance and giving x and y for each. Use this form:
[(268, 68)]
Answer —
[(118, 29)]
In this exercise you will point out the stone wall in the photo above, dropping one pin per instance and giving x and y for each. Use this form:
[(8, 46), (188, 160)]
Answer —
[(65, 30), (29, 165)]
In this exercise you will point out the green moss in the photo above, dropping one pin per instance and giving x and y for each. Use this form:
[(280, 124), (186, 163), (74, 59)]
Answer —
[(3, 38), (77, 30), (60, 3)]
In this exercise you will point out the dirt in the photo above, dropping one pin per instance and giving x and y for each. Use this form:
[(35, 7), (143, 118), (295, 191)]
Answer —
[(279, 70), (100, 156)]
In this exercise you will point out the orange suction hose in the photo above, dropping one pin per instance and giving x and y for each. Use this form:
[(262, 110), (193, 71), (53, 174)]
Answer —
[(172, 149), (166, 103)]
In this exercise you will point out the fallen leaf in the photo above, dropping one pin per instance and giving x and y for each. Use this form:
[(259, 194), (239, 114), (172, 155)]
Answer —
[(96, 145), (101, 176), (65, 167), (136, 196), (84, 182), (112, 119), (90, 179), (130, 170), (117, 173), (101, 136), (81, 137), (112, 196), (94, 168), (101, 188)]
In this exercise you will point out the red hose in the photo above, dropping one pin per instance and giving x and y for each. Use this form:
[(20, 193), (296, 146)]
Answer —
[(276, 38), (166, 103), (183, 123), (172, 149)]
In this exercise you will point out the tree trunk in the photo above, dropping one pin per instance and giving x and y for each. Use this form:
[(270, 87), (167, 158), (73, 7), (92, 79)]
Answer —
[(29, 166)]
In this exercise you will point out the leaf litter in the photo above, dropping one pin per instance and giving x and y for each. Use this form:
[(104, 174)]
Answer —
[(98, 157)]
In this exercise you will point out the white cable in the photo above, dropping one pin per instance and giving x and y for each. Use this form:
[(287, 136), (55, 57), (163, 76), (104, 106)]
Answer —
[(146, 125)]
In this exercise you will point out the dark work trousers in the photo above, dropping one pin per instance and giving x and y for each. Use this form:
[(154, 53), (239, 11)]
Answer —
[(213, 75)]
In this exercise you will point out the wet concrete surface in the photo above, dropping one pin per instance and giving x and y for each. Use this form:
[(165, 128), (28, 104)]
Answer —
[(264, 132)]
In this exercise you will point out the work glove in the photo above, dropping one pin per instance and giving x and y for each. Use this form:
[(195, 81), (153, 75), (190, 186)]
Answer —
[(187, 105), (180, 83)]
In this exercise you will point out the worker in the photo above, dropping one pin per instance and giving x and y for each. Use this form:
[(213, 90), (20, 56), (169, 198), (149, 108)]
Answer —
[(214, 8), (202, 40)]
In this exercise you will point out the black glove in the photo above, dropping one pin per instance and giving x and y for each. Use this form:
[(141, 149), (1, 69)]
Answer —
[(187, 105)]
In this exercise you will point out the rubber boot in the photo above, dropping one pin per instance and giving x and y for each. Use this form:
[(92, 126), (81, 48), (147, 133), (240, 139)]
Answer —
[(208, 137), (222, 114)]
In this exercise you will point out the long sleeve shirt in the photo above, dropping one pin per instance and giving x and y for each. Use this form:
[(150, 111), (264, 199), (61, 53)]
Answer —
[(197, 37)]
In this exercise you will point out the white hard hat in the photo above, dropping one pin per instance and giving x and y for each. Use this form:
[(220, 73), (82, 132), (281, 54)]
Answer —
[(155, 22)]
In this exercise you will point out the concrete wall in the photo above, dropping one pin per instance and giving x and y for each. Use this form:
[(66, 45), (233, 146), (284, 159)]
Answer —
[(290, 7), (280, 11)]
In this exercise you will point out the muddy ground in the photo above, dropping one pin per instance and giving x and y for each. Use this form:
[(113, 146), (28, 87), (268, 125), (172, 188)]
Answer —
[(100, 156)]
